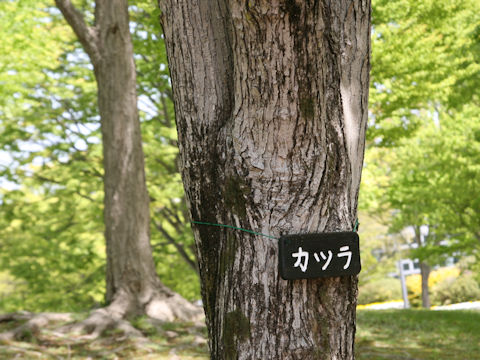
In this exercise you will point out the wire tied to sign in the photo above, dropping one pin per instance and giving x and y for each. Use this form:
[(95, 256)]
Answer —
[(235, 228), (357, 224), (355, 228)]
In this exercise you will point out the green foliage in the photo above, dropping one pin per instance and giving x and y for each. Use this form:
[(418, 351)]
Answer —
[(456, 290), (437, 182), (422, 160), (379, 255), (424, 54), (51, 176), (386, 289), (59, 258), (51, 198)]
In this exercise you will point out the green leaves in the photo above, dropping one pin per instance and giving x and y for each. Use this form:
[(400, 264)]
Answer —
[(422, 55), (51, 221), (421, 166)]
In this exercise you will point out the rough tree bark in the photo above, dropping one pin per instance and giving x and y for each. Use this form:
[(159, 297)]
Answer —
[(132, 283), (271, 106)]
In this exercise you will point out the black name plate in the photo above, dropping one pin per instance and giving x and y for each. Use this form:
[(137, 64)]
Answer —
[(310, 256)]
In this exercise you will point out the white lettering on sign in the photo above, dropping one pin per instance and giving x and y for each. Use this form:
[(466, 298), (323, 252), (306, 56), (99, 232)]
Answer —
[(344, 252), (316, 255), (303, 256), (299, 255), (330, 254)]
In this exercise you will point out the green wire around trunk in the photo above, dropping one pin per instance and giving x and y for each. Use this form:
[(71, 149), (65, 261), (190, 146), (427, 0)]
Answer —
[(355, 228)]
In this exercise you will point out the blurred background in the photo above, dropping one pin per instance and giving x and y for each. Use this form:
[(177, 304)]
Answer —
[(419, 202)]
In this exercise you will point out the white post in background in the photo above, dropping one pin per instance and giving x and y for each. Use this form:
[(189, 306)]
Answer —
[(407, 267), (406, 304)]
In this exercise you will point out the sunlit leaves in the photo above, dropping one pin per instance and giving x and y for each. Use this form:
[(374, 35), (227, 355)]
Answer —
[(435, 180), (51, 221), (423, 54), (422, 162)]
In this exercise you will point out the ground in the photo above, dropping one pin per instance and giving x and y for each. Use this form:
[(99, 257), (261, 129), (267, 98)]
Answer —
[(162, 340), (418, 334), (385, 334)]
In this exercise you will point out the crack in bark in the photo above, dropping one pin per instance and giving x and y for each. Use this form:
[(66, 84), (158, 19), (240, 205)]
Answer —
[(286, 131)]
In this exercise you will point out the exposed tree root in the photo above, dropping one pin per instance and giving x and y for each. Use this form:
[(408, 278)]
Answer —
[(173, 307), (34, 323), (165, 308), (99, 322)]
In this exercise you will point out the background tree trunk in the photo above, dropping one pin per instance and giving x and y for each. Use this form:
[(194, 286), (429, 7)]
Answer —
[(424, 271), (132, 282), (271, 107), (131, 275)]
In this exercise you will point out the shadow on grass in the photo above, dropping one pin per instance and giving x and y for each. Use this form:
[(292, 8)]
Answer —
[(418, 334)]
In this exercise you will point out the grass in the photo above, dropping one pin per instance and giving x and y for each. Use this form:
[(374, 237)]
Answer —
[(386, 334), (418, 334)]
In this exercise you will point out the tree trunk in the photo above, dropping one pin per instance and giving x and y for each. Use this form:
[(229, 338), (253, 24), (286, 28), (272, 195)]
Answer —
[(130, 268), (425, 273), (271, 109), (132, 282)]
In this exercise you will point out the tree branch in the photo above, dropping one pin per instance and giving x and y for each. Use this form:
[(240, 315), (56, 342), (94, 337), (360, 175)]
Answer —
[(168, 121), (177, 223), (85, 34), (178, 246)]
